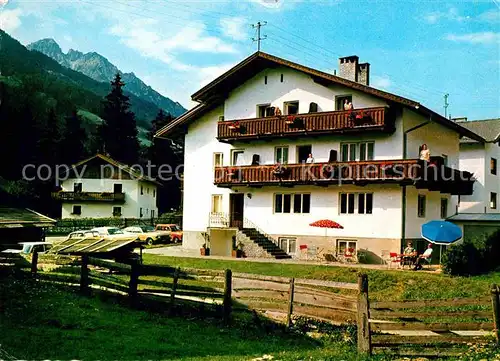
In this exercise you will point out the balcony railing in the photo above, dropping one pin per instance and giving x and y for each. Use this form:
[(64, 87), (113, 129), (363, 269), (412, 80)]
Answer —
[(410, 171), (310, 123), (89, 196)]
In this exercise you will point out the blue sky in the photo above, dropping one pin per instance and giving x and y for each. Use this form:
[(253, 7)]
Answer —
[(418, 49)]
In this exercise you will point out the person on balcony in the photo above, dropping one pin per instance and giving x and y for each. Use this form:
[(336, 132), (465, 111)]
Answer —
[(425, 153), (277, 112), (348, 105), (310, 159)]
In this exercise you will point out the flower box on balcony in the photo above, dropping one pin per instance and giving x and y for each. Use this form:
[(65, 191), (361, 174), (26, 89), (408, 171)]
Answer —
[(295, 122), (280, 171)]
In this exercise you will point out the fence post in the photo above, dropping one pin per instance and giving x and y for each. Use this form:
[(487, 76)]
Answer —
[(175, 281), (495, 300), (34, 264), (84, 275), (364, 337), (134, 281), (228, 285), (290, 303)]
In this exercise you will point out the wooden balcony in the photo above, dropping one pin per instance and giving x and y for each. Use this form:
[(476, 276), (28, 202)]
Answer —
[(89, 196), (360, 120), (404, 172)]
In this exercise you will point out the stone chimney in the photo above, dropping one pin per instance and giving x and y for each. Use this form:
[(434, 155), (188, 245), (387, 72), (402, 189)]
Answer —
[(364, 74), (348, 67), (351, 69)]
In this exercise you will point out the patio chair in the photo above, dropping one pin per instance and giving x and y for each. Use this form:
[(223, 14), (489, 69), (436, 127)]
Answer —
[(394, 258)]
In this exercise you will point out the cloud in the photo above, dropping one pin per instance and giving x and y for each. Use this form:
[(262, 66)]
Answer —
[(491, 16), (487, 37), (270, 4), (381, 82), (234, 27), (451, 15), (10, 20), (3, 3)]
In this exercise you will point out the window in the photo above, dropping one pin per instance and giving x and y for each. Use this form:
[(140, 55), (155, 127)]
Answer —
[(140, 212), (154, 193), (421, 203), (366, 151), (288, 244), (291, 107), (357, 151), (77, 210), (493, 166), (142, 190), (340, 100), (77, 187), (237, 157), (265, 79), (117, 188), (281, 79), (117, 211), (298, 203), (493, 200), (281, 155), (444, 208), (147, 190), (362, 203), (265, 110), (216, 203), (346, 246), (218, 159)]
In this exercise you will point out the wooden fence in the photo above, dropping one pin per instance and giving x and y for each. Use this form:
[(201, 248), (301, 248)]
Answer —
[(394, 327)]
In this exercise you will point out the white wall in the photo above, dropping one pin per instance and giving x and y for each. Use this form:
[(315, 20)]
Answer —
[(325, 205), (475, 158), (129, 209), (242, 101)]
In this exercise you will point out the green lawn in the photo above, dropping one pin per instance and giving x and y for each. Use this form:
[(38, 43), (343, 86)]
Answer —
[(383, 284)]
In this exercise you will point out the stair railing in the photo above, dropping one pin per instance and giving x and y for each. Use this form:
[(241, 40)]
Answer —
[(218, 219), (249, 224)]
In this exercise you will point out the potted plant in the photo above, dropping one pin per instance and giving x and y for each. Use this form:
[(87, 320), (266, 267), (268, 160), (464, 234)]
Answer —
[(205, 250), (233, 247), (239, 250), (280, 171), (290, 120)]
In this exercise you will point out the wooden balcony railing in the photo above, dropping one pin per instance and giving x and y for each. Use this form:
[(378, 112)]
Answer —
[(89, 196), (310, 123), (410, 171)]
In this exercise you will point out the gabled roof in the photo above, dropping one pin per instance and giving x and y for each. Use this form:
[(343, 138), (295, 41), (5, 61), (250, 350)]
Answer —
[(489, 129), (216, 91), (23, 217), (135, 174)]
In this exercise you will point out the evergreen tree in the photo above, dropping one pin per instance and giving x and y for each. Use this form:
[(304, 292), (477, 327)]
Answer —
[(119, 130), (74, 140), (48, 151)]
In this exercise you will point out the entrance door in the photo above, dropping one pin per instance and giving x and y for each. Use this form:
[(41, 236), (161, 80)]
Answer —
[(303, 152), (236, 204)]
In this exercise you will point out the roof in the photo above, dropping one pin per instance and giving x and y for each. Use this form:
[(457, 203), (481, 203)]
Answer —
[(23, 217), (489, 129), (91, 245), (475, 217), (214, 92), (133, 173)]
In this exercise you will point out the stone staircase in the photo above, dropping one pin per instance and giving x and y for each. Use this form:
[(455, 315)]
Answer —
[(266, 245)]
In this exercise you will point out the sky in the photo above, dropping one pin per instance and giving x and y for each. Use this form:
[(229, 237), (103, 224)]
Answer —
[(418, 49)]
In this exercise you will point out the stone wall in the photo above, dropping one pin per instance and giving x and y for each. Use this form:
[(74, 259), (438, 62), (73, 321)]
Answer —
[(250, 248)]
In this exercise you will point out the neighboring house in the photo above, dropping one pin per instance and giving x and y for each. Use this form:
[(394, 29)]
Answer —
[(479, 213), (100, 187), (234, 145)]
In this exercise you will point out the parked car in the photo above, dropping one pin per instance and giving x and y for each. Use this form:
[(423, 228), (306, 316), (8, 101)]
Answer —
[(114, 233), (84, 234), (147, 234), (30, 247), (173, 231)]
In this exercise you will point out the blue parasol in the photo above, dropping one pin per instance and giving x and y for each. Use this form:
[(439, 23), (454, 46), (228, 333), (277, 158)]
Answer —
[(441, 233)]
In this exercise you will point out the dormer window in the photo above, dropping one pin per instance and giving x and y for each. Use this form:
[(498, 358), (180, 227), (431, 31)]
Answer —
[(265, 110), (291, 108)]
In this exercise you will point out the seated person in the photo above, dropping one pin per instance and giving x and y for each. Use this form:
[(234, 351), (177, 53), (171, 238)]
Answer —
[(409, 254), (426, 256)]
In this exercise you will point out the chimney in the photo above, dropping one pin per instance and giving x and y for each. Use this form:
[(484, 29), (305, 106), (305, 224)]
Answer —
[(351, 69), (348, 67), (364, 74)]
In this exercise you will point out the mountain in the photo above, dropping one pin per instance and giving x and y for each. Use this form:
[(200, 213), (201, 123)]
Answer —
[(101, 69)]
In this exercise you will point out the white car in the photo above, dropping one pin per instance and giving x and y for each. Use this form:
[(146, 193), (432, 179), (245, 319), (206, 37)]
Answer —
[(30, 247), (115, 233), (83, 234)]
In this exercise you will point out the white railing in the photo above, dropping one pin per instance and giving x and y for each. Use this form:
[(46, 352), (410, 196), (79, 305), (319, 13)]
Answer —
[(218, 220)]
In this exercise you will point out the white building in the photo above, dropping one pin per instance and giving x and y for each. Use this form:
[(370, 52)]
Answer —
[(479, 213), (233, 144), (100, 187)]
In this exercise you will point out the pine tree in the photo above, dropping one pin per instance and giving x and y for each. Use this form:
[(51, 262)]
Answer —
[(119, 130), (74, 140), (48, 151)]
